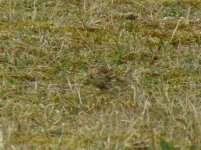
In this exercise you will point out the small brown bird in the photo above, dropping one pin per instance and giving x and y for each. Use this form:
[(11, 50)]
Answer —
[(102, 77)]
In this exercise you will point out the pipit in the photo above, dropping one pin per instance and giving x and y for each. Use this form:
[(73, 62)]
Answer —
[(102, 77)]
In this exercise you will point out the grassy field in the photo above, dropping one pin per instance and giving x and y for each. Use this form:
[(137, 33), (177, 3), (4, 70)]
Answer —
[(46, 47)]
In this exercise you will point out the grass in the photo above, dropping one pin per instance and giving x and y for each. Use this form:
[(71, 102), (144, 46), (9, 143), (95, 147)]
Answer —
[(45, 50)]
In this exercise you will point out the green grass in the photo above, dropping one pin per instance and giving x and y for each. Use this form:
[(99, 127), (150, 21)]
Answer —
[(45, 49)]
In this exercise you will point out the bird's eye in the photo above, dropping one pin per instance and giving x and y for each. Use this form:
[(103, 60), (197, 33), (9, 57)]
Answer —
[(95, 61)]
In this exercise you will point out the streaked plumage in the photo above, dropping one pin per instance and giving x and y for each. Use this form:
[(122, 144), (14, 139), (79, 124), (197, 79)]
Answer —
[(102, 77)]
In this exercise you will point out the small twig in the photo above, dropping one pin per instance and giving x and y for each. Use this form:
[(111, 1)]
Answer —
[(69, 83), (79, 95), (175, 30)]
